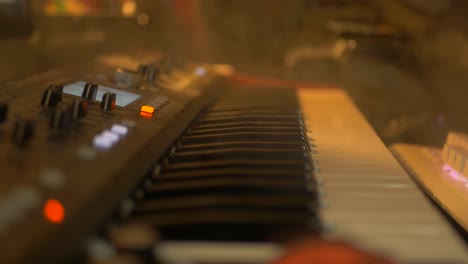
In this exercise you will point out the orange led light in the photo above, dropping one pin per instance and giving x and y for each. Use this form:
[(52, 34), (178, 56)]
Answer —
[(54, 211), (146, 115), (147, 109)]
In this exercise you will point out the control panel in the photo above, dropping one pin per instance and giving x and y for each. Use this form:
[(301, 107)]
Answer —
[(67, 135)]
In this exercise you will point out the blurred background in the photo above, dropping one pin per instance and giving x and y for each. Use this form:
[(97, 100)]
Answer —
[(404, 62)]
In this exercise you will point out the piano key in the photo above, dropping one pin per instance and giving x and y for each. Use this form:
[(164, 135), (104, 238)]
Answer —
[(236, 172), (239, 144), (253, 153), (238, 163), (221, 200)]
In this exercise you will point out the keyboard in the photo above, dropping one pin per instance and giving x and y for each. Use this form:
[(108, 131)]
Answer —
[(368, 198), (143, 159), (441, 174)]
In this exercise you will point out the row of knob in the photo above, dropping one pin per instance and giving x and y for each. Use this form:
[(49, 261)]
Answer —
[(131, 79), (61, 117), (54, 93), (23, 129)]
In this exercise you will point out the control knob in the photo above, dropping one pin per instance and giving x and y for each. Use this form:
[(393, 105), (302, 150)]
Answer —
[(52, 96), (60, 119), (79, 108), (23, 131), (90, 91), (108, 101)]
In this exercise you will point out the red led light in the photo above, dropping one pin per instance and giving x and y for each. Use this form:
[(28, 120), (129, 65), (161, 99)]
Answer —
[(147, 109), (54, 211)]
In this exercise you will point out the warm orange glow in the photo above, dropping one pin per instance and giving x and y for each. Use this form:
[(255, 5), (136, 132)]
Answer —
[(325, 252), (147, 109), (54, 211), (146, 115), (129, 8)]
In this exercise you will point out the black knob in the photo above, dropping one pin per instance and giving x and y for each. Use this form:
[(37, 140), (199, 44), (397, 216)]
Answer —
[(108, 101), (90, 91), (79, 109), (23, 131), (52, 96), (151, 73), (3, 112), (60, 119)]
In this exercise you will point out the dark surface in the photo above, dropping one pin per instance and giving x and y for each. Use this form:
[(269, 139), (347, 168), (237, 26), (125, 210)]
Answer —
[(408, 77)]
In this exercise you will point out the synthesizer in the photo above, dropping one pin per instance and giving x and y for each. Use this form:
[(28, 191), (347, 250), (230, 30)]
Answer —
[(74, 140), (144, 159)]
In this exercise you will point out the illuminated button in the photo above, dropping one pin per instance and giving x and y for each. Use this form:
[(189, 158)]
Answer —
[(147, 109), (114, 137), (146, 115), (54, 212), (102, 142), (119, 129)]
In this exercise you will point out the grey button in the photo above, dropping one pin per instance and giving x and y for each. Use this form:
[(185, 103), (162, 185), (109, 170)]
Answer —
[(15, 206), (52, 178), (100, 248), (27, 197), (10, 212), (129, 123), (86, 153)]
